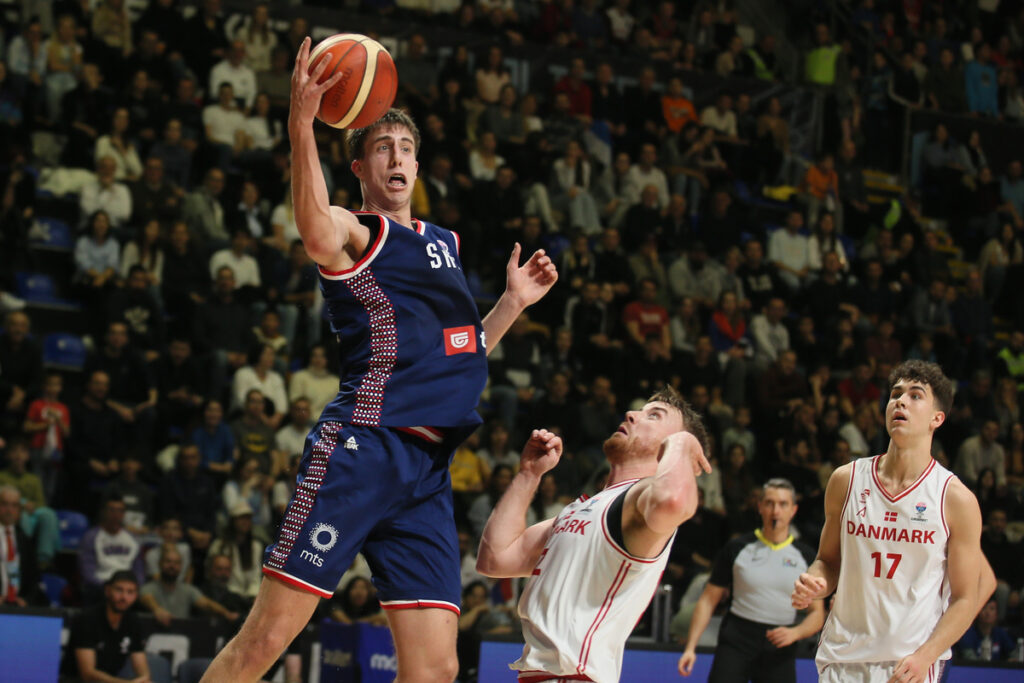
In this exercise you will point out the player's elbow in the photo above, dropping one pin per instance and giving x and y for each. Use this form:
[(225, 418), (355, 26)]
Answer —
[(488, 565)]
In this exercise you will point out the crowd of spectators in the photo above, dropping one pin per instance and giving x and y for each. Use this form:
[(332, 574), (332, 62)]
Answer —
[(209, 359)]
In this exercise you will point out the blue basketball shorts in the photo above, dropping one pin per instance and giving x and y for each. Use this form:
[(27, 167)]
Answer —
[(380, 491)]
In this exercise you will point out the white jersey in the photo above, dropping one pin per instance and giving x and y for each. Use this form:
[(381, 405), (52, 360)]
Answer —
[(586, 595), (892, 586)]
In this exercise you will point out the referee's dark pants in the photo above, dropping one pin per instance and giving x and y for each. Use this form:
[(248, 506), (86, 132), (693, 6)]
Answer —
[(745, 654)]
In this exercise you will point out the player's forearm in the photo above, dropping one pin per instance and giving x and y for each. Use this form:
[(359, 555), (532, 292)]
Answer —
[(500, 318), (309, 196), (507, 521), (811, 623), (954, 622), (670, 497)]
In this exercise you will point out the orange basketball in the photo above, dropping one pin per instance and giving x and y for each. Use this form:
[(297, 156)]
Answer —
[(368, 87)]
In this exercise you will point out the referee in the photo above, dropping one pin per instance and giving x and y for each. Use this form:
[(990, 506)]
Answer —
[(757, 642)]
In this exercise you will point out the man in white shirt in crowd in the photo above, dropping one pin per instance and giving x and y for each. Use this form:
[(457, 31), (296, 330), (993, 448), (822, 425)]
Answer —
[(238, 259), (106, 549), (789, 251), (235, 71), (291, 438), (106, 193), (982, 451), (721, 118), (224, 123), (770, 336), (644, 173)]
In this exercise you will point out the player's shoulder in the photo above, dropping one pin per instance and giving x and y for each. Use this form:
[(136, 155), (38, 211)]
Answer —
[(958, 497), (841, 475)]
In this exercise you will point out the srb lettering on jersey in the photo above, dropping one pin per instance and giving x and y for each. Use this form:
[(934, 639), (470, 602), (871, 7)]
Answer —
[(442, 256), (459, 340), (889, 533)]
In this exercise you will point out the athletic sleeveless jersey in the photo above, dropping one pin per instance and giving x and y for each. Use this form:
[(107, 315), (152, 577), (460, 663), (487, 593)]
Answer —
[(892, 586), (586, 596), (412, 344)]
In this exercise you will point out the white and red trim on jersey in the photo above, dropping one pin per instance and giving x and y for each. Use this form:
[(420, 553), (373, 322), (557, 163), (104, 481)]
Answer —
[(420, 604), (371, 253), (296, 582), (906, 492), (431, 434)]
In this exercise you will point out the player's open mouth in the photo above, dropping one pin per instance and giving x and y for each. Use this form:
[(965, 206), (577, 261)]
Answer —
[(620, 430), (898, 417), (396, 180)]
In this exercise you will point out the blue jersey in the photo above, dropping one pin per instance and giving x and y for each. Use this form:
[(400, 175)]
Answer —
[(412, 343)]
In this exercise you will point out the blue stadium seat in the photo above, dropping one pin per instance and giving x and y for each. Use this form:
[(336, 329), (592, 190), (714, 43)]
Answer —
[(64, 351), (52, 233), (72, 525), (40, 289), (54, 585)]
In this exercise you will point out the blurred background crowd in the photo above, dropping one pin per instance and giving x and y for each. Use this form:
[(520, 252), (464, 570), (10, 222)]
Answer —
[(764, 204)]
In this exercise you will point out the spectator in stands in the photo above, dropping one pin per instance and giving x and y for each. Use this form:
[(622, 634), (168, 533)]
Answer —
[(571, 180), (315, 382), (94, 446), (982, 451), (140, 508), (721, 118), (789, 251), (222, 326), (155, 198), (1004, 556), (224, 123), (175, 154), (357, 603), (27, 58), (215, 441), (944, 87), (820, 187), (137, 307), (644, 317), (108, 639), (21, 367), (248, 484), (85, 113), (823, 241), (491, 76), (644, 173), (132, 393), (19, 570), (218, 575), (238, 258), (106, 194), (260, 374), (47, 424), (760, 279), (188, 494), (108, 548), (621, 22), (143, 106), (63, 63), (291, 438), (167, 598), (642, 114), (207, 41), (997, 256), (180, 385), (118, 146), (732, 61), (820, 62), (171, 535), (253, 431), (769, 333), (985, 640), (981, 83), (245, 549), (580, 95), (257, 38), (144, 250), (96, 262), (484, 160), (263, 132)]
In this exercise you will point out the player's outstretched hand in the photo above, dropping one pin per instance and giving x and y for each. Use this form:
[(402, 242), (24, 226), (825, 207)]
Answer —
[(910, 669), (528, 283), (306, 94), (686, 662), (541, 452), (807, 589)]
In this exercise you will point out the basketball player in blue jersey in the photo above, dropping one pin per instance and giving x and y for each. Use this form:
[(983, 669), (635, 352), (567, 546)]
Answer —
[(374, 475)]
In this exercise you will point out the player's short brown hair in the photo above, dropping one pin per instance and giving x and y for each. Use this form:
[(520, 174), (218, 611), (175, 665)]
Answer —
[(928, 373), (692, 421), (356, 137)]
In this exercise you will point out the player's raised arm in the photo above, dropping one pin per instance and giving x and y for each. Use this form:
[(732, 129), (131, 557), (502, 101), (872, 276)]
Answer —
[(324, 230), (965, 571), (821, 577), (525, 285), (669, 498), (507, 547)]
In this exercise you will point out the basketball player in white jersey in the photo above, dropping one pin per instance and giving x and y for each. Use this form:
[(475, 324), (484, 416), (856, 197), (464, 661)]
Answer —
[(901, 548), (597, 564)]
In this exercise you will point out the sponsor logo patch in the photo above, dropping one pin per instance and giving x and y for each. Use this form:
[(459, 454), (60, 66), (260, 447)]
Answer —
[(459, 340)]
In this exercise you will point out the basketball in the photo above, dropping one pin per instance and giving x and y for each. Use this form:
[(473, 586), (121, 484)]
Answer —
[(368, 86)]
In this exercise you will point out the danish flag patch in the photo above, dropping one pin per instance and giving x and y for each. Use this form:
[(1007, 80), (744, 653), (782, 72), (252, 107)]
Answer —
[(459, 340)]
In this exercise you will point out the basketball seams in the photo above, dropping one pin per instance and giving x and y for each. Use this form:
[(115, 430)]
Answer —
[(331, 42), (365, 86), (377, 74)]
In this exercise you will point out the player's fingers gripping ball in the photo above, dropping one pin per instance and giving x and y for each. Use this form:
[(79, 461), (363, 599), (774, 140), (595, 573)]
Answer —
[(368, 84)]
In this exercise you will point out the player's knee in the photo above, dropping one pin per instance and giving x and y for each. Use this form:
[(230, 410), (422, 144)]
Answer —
[(441, 669), (264, 642)]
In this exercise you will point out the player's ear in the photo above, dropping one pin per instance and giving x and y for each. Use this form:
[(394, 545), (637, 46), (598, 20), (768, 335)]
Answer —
[(938, 419), (357, 167)]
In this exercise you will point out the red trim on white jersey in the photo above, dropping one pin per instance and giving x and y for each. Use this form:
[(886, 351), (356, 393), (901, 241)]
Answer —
[(420, 604), (622, 551), (431, 434), (849, 489), (541, 676), (942, 504), (878, 482), (601, 614), (362, 263), (296, 582)]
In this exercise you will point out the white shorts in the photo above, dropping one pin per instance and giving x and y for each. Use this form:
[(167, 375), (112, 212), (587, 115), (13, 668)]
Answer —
[(870, 672)]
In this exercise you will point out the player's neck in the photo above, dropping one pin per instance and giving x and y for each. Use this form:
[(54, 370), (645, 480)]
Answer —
[(626, 471), (903, 464), (400, 215)]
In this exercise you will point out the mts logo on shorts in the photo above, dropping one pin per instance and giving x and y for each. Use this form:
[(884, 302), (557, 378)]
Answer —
[(459, 340)]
